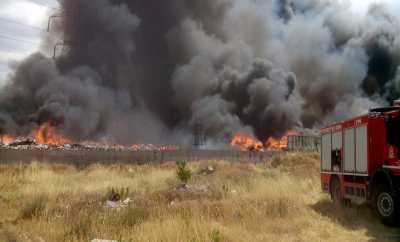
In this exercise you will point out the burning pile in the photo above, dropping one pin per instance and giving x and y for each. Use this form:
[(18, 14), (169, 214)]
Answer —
[(47, 134), (282, 143), (6, 139), (46, 137), (248, 143)]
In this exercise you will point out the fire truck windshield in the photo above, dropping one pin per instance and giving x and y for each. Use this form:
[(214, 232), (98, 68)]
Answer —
[(393, 130)]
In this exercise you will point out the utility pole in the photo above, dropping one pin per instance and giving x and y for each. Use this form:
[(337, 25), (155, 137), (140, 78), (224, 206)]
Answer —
[(199, 138)]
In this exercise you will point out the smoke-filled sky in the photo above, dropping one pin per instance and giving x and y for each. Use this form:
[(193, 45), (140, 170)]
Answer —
[(35, 13), (21, 24), (151, 71)]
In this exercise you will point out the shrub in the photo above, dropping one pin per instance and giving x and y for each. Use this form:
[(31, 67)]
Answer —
[(216, 236), (183, 172), (117, 194)]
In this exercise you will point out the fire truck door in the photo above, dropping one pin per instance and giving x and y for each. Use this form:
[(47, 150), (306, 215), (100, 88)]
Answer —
[(349, 149), (336, 151), (326, 152), (361, 149)]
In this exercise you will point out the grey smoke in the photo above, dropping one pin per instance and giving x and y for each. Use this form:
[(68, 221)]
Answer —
[(155, 71)]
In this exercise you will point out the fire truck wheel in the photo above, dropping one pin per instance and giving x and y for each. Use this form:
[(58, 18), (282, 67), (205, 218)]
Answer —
[(335, 191), (386, 205)]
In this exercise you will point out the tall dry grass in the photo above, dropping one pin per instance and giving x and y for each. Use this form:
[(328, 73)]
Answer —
[(277, 200)]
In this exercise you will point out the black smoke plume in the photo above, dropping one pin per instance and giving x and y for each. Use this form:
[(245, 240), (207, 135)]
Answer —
[(155, 71)]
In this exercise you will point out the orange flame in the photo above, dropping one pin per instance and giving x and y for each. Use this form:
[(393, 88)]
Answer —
[(7, 139), (280, 144), (246, 142), (47, 134)]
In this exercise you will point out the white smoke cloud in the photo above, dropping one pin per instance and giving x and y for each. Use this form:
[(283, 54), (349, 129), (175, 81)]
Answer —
[(361, 6)]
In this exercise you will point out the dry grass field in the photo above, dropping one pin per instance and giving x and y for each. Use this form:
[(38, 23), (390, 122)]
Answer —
[(278, 200)]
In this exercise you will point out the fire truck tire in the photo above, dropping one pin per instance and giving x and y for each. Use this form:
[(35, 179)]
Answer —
[(386, 205), (335, 191)]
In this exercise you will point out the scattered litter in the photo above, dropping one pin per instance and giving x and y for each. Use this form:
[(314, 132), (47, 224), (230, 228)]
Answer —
[(112, 205), (118, 205), (127, 201), (207, 171)]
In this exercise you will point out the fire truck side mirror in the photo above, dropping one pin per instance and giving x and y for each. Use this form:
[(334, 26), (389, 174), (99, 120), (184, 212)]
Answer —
[(392, 130)]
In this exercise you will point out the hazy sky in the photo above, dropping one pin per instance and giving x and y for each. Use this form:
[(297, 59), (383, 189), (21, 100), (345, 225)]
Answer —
[(22, 23), (18, 40), (362, 5)]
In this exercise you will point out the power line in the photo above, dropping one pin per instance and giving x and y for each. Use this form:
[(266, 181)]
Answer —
[(17, 39), (19, 23), (43, 4), (39, 3)]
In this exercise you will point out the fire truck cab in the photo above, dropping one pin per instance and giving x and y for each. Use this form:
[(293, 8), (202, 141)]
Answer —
[(360, 161)]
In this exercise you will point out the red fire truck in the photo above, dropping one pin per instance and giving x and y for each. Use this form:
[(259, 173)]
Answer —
[(360, 161)]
